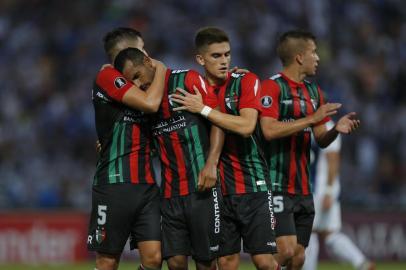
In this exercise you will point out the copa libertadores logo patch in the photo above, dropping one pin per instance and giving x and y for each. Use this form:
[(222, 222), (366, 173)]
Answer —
[(119, 82), (266, 101)]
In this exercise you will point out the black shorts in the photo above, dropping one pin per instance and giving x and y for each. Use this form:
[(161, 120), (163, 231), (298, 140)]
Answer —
[(250, 217), (120, 211), (191, 225), (294, 216)]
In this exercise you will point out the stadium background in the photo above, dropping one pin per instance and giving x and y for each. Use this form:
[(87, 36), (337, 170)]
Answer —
[(50, 52)]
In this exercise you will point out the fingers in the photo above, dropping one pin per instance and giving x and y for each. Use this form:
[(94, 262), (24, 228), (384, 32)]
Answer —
[(184, 92), (181, 108), (196, 90), (200, 183)]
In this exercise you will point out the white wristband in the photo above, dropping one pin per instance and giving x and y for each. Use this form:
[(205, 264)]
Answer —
[(205, 111)]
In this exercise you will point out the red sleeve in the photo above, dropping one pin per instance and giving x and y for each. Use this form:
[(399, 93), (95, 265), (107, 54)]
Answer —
[(270, 92), (321, 102), (194, 78), (113, 83), (250, 90)]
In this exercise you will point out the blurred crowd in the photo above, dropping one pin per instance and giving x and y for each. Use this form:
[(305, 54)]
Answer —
[(50, 52)]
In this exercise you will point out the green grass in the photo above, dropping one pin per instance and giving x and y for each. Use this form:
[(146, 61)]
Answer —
[(133, 266)]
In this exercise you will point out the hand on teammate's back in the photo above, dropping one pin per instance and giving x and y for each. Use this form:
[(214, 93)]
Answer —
[(190, 102)]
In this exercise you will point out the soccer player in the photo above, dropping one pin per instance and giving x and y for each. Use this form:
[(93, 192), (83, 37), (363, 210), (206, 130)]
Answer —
[(327, 220), (125, 197), (292, 109), (190, 210), (243, 172)]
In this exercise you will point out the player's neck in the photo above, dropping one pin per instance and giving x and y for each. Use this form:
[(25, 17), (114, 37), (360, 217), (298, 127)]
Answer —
[(294, 74), (214, 81)]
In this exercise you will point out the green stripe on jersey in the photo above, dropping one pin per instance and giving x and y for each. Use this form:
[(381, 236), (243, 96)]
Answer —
[(260, 170), (113, 154), (198, 147), (190, 148), (120, 158), (248, 160)]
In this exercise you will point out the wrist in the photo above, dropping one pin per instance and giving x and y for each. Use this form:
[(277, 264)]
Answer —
[(206, 111)]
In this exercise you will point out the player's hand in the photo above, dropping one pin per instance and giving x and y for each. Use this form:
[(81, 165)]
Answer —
[(239, 70), (207, 177), (327, 202), (325, 110), (98, 146), (190, 102), (348, 123)]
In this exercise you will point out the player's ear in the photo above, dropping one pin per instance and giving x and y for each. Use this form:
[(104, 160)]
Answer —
[(200, 59), (299, 59)]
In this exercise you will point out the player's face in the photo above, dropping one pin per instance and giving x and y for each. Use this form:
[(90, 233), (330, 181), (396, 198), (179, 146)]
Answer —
[(141, 75), (310, 58), (216, 60)]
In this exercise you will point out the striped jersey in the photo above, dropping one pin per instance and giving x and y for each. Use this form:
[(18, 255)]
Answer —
[(242, 165), (123, 132), (289, 157), (182, 138)]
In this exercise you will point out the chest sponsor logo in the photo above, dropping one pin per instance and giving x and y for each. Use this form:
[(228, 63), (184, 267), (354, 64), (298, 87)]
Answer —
[(119, 82), (169, 125), (266, 101)]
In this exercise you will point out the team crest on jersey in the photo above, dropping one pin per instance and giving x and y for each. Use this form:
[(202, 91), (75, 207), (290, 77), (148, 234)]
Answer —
[(100, 235), (119, 82), (266, 101), (231, 102)]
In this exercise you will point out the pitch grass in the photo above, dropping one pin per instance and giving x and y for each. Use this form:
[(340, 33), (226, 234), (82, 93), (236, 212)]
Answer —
[(133, 266)]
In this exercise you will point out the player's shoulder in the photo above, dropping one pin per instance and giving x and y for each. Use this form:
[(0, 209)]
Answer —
[(271, 82), (108, 75), (179, 71), (244, 76)]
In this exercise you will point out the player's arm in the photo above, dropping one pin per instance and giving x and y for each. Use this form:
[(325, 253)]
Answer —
[(243, 124), (148, 101), (208, 175)]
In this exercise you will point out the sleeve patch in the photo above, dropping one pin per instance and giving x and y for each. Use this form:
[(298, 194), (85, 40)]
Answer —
[(266, 101), (119, 82)]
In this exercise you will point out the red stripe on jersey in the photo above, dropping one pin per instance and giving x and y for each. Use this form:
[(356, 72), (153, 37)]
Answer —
[(303, 162), (148, 171), (223, 182), (238, 175), (134, 154), (181, 166), (165, 164), (165, 102), (292, 165), (306, 141)]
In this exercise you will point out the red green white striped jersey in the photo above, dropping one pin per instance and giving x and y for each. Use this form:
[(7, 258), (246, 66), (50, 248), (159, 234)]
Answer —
[(242, 165), (123, 133), (289, 158), (182, 138)]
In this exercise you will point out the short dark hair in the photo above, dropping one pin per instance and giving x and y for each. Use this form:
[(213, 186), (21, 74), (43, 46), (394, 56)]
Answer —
[(113, 37), (132, 54), (287, 48), (209, 35)]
